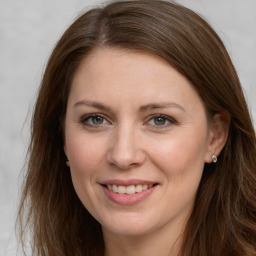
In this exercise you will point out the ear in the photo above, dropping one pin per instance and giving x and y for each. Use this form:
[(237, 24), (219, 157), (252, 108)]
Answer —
[(218, 134)]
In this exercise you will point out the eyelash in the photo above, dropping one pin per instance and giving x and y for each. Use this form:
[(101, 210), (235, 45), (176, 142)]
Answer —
[(164, 118), (85, 120)]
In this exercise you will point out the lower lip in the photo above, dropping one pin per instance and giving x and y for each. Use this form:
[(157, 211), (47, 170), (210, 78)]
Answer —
[(128, 199)]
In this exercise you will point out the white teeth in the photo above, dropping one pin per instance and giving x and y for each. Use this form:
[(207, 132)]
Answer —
[(138, 188), (114, 188), (121, 189), (144, 187), (132, 189)]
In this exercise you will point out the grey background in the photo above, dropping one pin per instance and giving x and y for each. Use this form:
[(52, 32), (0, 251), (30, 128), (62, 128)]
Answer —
[(28, 31)]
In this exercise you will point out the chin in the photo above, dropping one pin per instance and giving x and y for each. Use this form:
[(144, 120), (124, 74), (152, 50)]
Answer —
[(127, 231), (129, 225)]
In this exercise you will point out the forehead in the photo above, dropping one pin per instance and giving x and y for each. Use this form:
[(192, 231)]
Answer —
[(118, 76)]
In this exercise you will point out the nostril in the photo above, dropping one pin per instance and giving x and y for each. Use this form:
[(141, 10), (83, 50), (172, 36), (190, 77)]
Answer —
[(126, 160)]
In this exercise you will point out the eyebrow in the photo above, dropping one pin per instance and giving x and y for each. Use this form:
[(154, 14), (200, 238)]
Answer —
[(161, 106), (92, 104), (143, 108)]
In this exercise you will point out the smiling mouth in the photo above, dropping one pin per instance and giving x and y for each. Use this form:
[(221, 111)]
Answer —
[(131, 189)]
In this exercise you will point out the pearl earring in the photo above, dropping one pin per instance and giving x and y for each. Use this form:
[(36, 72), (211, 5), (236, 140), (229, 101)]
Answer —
[(214, 158)]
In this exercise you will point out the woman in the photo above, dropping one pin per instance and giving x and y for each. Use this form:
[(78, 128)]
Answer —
[(142, 143)]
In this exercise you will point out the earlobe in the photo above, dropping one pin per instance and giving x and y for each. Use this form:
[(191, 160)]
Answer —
[(218, 134)]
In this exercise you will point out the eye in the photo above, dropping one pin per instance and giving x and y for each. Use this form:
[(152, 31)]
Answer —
[(161, 121), (94, 120)]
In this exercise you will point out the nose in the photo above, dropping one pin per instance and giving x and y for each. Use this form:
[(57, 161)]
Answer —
[(125, 150)]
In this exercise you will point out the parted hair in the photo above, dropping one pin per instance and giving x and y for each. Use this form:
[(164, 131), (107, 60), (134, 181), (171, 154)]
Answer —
[(223, 220)]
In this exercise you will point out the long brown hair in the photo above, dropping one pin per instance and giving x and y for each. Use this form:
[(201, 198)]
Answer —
[(223, 221)]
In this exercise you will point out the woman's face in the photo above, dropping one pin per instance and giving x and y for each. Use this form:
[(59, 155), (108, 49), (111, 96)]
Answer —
[(137, 138)]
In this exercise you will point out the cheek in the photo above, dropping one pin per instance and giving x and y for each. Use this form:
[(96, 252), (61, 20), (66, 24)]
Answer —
[(180, 153), (86, 154), (86, 157)]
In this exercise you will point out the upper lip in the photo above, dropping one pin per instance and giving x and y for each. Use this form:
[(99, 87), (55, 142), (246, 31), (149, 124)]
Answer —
[(127, 182)]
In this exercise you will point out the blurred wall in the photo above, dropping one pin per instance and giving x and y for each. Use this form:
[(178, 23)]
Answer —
[(28, 32)]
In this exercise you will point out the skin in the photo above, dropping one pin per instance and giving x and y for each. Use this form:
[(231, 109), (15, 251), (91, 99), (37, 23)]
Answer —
[(127, 141)]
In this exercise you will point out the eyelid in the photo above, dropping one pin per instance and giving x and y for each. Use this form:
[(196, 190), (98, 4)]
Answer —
[(88, 116), (171, 120)]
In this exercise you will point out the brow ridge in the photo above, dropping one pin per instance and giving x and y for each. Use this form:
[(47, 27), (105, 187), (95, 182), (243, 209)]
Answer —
[(142, 108)]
